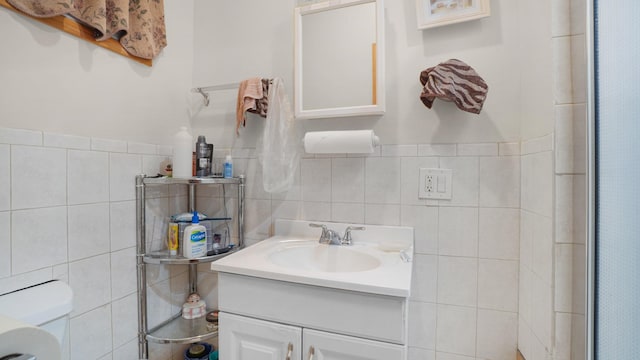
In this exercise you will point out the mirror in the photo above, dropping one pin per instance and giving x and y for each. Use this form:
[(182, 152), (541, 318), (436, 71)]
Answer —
[(339, 59)]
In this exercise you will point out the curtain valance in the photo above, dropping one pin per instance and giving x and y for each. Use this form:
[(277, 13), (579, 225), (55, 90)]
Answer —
[(137, 24)]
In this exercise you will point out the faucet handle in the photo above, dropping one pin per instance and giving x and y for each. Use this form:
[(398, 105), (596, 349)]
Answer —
[(346, 240), (324, 229), (314, 225)]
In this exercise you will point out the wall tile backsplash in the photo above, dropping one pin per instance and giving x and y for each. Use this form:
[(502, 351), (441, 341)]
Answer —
[(465, 283)]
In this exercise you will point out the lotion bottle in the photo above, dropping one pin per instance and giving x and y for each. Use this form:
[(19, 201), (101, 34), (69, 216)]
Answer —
[(182, 154), (194, 239)]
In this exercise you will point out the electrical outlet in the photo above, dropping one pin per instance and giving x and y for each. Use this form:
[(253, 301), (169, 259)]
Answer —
[(435, 183), (428, 187)]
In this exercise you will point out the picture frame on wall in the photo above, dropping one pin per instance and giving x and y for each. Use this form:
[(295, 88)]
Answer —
[(433, 13)]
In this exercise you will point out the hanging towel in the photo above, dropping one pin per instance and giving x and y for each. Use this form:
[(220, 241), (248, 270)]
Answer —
[(280, 145), (262, 105), (248, 92), (454, 80)]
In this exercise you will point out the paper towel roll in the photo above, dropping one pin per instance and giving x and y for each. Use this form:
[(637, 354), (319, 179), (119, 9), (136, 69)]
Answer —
[(340, 142), (17, 337)]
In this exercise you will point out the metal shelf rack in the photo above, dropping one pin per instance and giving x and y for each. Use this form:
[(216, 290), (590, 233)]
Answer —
[(176, 330)]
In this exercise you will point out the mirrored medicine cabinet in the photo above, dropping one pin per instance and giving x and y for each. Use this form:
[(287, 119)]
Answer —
[(339, 59)]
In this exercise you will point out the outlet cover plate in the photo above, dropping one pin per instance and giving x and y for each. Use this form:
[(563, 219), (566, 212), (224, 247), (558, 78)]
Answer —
[(435, 184)]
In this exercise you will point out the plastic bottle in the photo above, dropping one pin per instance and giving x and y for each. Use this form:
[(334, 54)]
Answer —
[(203, 157), (194, 239), (228, 167), (182, 154)]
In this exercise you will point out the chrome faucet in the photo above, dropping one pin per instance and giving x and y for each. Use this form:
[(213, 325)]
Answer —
[(347, 239), (332, 237)]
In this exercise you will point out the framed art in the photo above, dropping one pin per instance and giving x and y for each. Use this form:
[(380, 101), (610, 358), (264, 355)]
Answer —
[(433, 13)]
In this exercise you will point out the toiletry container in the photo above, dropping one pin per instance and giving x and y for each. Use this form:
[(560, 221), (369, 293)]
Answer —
[(228, 167), (204, 153), (194, 239), (182, 154), (46, 306)]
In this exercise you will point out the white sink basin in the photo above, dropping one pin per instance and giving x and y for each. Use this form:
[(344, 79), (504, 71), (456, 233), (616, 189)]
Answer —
[(379, 261), (322, 257)]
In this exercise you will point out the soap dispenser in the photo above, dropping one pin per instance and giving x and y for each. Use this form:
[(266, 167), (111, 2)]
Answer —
[(194, 239)]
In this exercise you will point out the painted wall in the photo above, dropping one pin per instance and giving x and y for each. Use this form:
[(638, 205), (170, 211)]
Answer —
[(228, 51), (465, 301), (54, 82)]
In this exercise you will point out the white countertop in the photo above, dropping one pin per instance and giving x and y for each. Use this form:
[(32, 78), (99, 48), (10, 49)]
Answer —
[(385, 243)]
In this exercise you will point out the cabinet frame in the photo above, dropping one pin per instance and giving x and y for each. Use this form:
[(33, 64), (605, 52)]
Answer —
[(197, 327)]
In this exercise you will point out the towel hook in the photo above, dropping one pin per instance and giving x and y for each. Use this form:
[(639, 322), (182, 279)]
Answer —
[(205, 95)]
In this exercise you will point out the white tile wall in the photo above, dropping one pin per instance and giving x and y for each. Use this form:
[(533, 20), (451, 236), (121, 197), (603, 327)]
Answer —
[(91, 335), (348, 213), (122, 171), (499, 181), (498, 285), (458, 281), (382, 214), (5, 244), (88, 175), (496, 338), (424, 282), (455, 241), (456, 331), (316, 179), (424, 221), (458, 231), (465, 187), (122, 216), (124, 320), (66, 141), (88, 231), (123, 263), (20, 137), (382, 184), (347, 180), (499, 231), (35, 233), (38, 177), (422, 325), (90, 279), (5, 178)]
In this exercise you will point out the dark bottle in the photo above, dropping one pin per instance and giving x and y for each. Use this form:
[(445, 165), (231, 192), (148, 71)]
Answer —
[(204, 153)]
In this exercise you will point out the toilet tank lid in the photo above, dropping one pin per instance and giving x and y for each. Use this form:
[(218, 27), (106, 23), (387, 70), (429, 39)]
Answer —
[(38, 304)]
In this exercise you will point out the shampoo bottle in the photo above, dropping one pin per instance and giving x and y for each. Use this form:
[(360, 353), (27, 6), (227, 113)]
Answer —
[(194, 239)]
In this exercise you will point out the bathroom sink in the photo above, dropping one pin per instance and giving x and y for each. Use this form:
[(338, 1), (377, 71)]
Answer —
[(378, 260), (322, 257)]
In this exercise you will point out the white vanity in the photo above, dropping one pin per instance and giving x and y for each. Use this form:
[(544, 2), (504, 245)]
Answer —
[(290, 297)]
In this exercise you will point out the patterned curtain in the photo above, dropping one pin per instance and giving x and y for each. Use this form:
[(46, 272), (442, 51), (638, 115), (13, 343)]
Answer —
[(138, 24)]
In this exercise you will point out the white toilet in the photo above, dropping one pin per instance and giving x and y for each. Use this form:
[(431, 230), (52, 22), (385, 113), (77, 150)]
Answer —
[(46, 306)]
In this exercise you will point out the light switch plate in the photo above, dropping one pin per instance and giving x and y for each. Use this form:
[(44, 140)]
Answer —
[(435, 183)]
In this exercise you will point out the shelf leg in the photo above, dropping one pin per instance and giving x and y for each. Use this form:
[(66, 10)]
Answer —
[(241, 212), (143, 352), (193, 278), (192, 198)]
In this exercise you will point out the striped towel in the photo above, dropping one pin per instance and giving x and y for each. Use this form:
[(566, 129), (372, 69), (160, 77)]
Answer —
[(453, 80)]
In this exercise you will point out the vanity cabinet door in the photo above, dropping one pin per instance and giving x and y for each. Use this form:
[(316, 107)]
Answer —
[(243, 338), (328, 346)]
